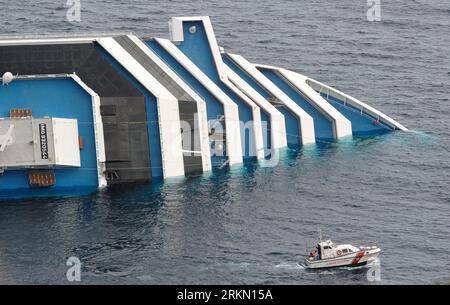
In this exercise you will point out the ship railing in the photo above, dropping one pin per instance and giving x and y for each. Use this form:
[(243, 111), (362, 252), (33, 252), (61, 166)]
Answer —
[(354, 103), (45, 36)]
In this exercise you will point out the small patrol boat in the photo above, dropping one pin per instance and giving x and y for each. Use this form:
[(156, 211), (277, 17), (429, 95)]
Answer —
[(329, 255)]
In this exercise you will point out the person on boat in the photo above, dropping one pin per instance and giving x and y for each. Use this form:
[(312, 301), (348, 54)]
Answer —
[(313, 253)]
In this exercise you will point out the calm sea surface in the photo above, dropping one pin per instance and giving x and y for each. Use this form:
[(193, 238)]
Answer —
[(250, 224)]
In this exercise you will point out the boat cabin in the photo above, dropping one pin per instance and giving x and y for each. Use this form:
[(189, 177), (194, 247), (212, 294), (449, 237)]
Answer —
[(327, 249)]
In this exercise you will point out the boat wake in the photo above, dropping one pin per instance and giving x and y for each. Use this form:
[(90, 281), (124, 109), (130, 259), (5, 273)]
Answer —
[(290, 266)]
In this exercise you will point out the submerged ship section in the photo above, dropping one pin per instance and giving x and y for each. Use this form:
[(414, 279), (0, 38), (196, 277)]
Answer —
[(52, 138), (81, 113)]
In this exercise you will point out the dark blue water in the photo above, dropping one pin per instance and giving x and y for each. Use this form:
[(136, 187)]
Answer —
[(250, 224)]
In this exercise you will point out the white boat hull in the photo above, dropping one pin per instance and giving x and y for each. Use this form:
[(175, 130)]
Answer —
[(355, 259)]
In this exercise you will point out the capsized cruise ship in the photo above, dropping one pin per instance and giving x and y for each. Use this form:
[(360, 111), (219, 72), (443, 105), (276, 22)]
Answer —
[(80, 113)]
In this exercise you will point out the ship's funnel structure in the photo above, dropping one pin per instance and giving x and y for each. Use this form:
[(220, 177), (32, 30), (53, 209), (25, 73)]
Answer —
[(194, 36), (81, 113)]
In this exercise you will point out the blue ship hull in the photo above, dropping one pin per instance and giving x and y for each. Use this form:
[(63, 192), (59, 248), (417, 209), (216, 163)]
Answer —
[(147, 109)]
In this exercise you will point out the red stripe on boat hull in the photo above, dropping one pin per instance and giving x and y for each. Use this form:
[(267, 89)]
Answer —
[(358, 257)]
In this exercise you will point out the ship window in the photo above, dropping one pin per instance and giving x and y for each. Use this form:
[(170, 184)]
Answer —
[(345, 251), (327, 247)]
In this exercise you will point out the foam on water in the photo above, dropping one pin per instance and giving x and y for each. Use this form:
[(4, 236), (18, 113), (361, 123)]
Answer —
[(290, 266)]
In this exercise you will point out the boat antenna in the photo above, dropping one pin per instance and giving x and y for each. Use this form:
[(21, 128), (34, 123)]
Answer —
[(320, 235)]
